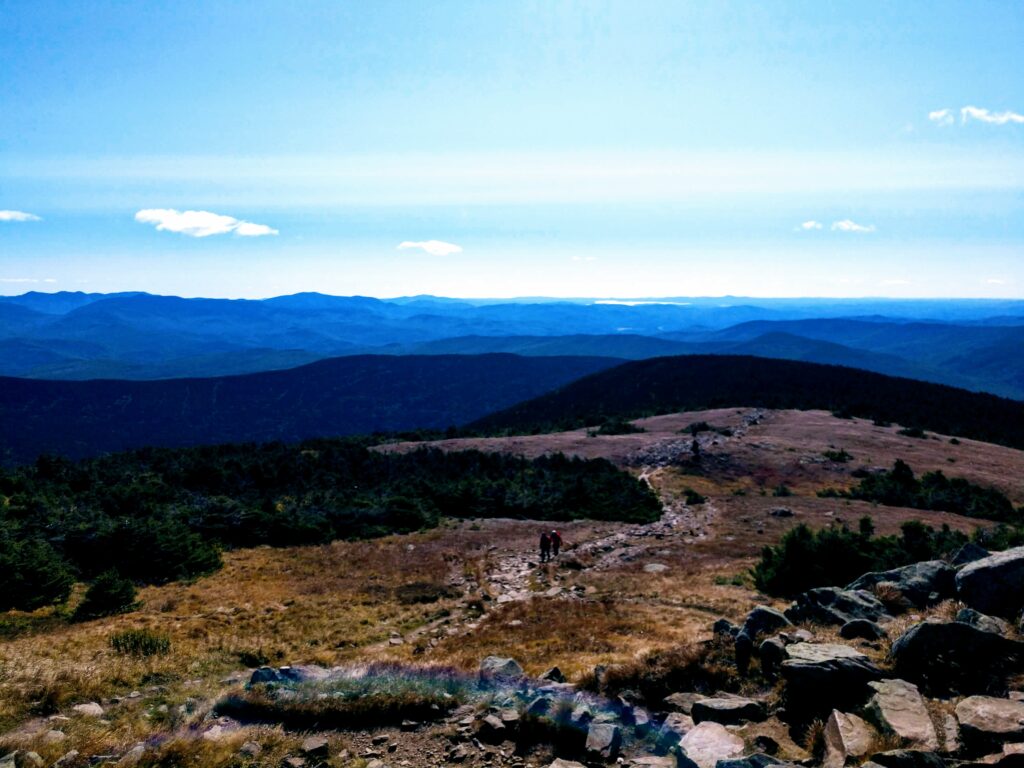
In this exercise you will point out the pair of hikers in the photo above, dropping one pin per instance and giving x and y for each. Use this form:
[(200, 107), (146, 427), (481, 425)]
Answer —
[(550, 544)]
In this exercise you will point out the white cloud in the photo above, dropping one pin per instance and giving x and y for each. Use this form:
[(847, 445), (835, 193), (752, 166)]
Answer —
[(584, 258), (995, 281), (433, 247), (200, 223), (846, 225), (942, 116), (18, 216), (809, 225), (27, 280), (896, 281), (987, 116)]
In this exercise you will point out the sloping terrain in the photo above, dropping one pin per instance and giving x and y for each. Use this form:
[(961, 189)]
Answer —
[(341, 396), (663, 385)]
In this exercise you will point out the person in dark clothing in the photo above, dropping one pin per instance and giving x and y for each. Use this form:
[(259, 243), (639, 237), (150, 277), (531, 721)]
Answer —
[(545, 547), (556, 542)]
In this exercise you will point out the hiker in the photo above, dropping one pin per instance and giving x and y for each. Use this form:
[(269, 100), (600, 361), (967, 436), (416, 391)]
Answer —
[(545, 547), (556, 542)]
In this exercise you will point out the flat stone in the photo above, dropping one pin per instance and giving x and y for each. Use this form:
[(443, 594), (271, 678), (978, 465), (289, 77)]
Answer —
[(728, 711), (655, 568), (813, 668), (848, 739), (897, 707), (682, 702), (708, 743), (316, 746), (988, 719)]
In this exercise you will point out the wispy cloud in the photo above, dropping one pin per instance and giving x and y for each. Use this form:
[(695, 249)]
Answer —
[(942, 116), (200, 223), (896, 281), (27, 280), (584, 258), (847, 225), (987, 116), (810, 225), (995, 281), (18, 216), (433, 247)]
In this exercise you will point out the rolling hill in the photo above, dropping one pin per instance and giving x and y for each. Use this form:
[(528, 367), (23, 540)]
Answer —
[(340, 396), (669, 384)]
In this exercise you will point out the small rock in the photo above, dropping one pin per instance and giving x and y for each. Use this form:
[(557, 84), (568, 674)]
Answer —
[(907, 758), (848, 739), (264, 675), (89, 709), (682, 702), (250, 749), (492, 729), (604, 740), (672, 731), (725, 628), (655, 568), (981, 621), (54, 736), (764, 620), (295, 762), (898, 707), (863, 629), (728, 711), (708, 743), (316, 747), (553, 675), (495, 669)]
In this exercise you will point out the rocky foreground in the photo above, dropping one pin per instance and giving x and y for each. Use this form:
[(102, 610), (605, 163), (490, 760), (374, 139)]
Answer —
[(919, 666)]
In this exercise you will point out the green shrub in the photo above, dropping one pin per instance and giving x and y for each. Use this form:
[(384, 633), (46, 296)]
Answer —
[(110, 594), (32, 574), (692, 497), (617, 427), (141, 643), (912, 432), (840, 456)]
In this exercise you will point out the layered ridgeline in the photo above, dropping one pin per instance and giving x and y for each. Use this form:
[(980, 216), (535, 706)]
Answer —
[(670, 384), (341, 396)]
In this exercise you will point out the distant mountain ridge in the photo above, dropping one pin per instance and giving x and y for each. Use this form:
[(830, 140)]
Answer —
[(972, 344), (339, 396)]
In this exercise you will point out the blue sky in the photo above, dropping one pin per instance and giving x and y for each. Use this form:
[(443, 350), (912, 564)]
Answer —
[(515, 148)]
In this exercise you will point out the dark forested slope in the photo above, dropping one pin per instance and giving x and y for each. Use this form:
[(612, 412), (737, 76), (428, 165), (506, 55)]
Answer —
[(340, 396)]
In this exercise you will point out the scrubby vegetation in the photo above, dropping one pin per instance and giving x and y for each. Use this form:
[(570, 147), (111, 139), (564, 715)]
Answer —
[(933, 490), (617, 427), (159, 515), (110, 594), (835, 556), (141, 643)]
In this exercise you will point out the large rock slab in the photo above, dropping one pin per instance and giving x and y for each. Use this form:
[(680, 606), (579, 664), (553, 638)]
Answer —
[(987, 720), (897, 707), (831, 605), (848, 739), (951, 657), (732, 710), (994, 584), (821, 677), (496, 670), (922, 584), (968, 553), (708, 743)]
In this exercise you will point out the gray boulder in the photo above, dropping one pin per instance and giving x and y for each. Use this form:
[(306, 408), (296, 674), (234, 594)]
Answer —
[(497, 670), (897, 707), (980, 621), (672, 731), (923, 584), (553, 675), (604, 740), (750, 761), (987, 721), (862, 629), (764, 621), (725, 628), (994, 584), (732, 710), (831, 605), (823, 677), (772, 653), (264, 675), (492, 729), (951, 657), (682, 702)]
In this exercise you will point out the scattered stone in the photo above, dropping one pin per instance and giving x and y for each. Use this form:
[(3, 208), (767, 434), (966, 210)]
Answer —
[(781, 512), (604, 740), (994, 584), (981, 621), (264, 675), (949, 738), (300, 762), (376, 763), (751, 761), (831, 605), (560, 763), (728, 711), (67, 759), (708, 743), (495, 669), (766, 744), (764, 620), (682, 702), (655, 568), (492, 729), (848, 739), (862, 629), (897, 707), (316, 747), (772, 652), (133, 755), (923, 584), (652, 761), (89, 709), (987, 720), (54, 736), (540, 706), (946, 657)]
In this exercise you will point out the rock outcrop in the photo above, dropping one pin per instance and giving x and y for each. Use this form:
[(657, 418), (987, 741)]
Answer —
[(831, 605), (994, 584), (922, 584)]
